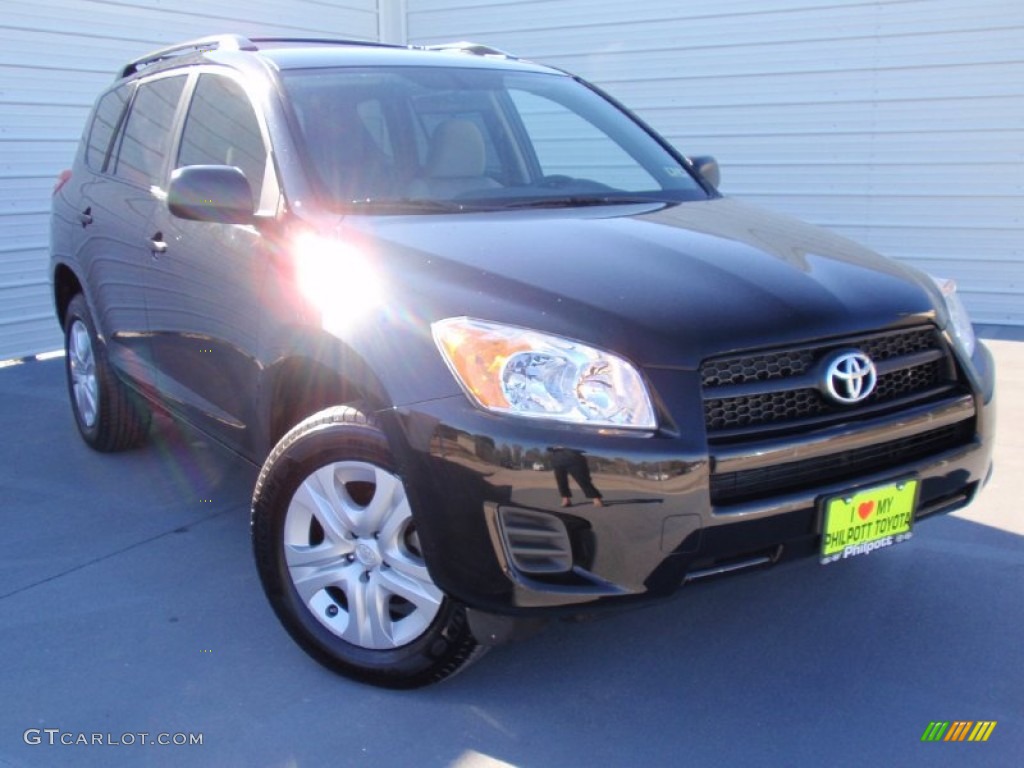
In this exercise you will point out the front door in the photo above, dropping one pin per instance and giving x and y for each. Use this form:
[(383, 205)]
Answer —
[(204, 306)]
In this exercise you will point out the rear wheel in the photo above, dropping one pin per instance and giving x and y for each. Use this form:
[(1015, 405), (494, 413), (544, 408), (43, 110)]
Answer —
[(338, 554), (109, 416)]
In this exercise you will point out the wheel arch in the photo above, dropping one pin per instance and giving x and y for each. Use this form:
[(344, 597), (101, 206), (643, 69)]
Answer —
[(301, 385), (66, 286)]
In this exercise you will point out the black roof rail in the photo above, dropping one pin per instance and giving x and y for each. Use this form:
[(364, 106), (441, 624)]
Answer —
[(477, 49), (211, 43), (324, 41), (232, 42)]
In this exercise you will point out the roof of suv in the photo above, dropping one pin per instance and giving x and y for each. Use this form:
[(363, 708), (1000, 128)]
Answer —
[(289, 53)]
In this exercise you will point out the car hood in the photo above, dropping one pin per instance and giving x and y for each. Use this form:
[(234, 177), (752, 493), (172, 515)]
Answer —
[(663, 285)]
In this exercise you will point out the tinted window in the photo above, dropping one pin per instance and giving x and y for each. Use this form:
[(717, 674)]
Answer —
[(147, 131), (104, 124), (222, 129), (397, 139)]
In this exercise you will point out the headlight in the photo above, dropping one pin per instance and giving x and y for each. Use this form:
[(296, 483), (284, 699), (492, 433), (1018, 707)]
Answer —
[(959, 320), (520, 372)]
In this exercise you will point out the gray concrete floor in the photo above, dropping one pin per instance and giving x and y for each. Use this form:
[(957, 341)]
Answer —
[(129, 603)]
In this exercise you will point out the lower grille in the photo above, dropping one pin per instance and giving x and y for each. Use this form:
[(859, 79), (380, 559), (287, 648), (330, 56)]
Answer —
[(749, 485)]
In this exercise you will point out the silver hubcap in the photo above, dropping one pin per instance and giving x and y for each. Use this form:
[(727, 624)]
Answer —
[(83, 373), (353, 556)]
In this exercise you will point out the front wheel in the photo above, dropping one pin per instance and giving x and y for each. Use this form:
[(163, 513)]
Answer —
[(338, 554)]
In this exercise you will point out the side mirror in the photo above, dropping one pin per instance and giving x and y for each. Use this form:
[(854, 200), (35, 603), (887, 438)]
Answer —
[(707, 167), (218, 193)]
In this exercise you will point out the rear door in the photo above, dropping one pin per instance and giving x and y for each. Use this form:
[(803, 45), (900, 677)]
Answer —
[(127, 155), (203, 304)]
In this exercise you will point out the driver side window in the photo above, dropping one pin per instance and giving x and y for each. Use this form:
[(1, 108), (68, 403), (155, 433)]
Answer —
[(222, 129)]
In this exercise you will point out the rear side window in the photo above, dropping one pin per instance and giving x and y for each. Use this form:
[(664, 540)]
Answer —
[(104, 124), (222, 129), (147, 131)]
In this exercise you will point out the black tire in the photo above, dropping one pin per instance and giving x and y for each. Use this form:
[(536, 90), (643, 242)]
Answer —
[(109, 416), (317, 501)]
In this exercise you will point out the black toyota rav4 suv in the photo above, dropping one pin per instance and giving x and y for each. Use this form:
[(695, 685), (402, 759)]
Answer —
[(502, 352)]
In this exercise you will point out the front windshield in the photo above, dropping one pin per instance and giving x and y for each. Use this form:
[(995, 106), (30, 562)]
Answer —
[(416, 139)]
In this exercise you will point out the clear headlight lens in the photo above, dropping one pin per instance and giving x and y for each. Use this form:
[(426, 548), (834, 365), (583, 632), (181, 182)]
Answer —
[(520, 372), (959, 320)]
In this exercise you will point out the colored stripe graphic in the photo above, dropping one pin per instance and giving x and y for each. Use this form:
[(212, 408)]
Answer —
[(982, 730), (958, 730)]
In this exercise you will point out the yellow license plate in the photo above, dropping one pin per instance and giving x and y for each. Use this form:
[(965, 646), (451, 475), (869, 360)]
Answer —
[(861, 522)]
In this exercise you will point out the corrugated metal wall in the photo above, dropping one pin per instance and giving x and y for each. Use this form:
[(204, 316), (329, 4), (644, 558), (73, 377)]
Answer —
[(55, 57), (898, 123)]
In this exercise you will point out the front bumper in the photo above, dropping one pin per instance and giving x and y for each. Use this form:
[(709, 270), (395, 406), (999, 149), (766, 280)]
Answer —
[(496, 537)]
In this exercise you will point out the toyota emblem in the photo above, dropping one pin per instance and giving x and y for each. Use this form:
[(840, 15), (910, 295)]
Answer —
[(850, 377)]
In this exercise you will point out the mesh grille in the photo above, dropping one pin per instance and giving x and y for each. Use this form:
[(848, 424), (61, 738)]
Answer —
[(787, 363), (743, 370), (908, 381), (737, 412), (791, 406), (897, 344)]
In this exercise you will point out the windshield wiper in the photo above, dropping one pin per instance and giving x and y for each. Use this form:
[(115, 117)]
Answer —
[(580, 201), (407, 205), (428, 205)]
